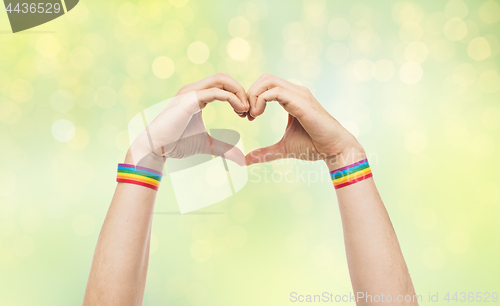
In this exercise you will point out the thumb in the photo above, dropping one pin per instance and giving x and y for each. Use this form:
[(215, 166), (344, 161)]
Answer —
[(227, 151), (264, 155)]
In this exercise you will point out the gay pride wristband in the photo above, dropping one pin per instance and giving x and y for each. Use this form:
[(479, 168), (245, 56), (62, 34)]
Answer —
[(351, 174), (139, 176)]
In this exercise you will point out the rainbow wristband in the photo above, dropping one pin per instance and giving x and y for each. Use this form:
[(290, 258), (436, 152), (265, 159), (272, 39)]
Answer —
[(351, 174), (139, 176)]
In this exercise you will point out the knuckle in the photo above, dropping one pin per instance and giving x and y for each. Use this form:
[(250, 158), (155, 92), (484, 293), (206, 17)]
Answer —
[(219, 77)]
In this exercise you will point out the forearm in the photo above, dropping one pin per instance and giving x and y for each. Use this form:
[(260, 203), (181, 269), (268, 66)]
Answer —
[(376, 264), (119, 267)]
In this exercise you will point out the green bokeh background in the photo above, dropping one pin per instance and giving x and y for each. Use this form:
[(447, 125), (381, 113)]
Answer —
[(416, 81)]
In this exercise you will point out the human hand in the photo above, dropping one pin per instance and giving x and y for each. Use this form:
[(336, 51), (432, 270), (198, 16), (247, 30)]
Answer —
[(178, 131), (311, 133)]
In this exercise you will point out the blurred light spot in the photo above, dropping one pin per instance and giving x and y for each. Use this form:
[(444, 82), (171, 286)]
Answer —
[(415, 142), (339, 28), (296, 243), (24, 246), (301, 202), (443, 50), (83, 224), (472, 31), (239, 27), (176, 286), (242, 212), (198, 52), (15, 156), (384, 70), (62, 101), (416, 52), (81, 58), (481, 146), (488, 194), (63, 130), (456, 8), (479, 49), (294, 52), (30, 220), (410, 31), (489, 81), (464, 74), (137, 67), (236, 236), (407, 12), (163, 67), (322, 256), (48, 45), (455, 29), (434, 24), (203, 270), (21, 90), (173, 31), (295, 81), (7, 182), (458, 242), (79, 14), (238, 49), (337, 53), (310, 69), (489, 12), (178, 3), (80, 140), (10, 112), (8, 228), (122, 141), (105, 97), (84, 96), (208, 36), (128, 14), (201, 250), (433, 258), (294, 32), (411, 73), (352, 127), (491, 118), (196, 294), (201, 231), (55, 208), (363, 70), (46, 65), (217, 221), (425, 218)]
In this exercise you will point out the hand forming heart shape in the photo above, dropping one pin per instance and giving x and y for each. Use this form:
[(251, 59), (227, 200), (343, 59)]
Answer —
[(311, 133)]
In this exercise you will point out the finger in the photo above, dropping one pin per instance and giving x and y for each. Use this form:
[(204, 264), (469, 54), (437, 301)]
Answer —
[(209, 95), (220, 80), (227, 151), (264, 155), (264, 83), (283, 96)]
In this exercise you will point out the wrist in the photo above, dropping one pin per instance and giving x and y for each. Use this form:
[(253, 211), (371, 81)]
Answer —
[(350, 155), (148, 160)]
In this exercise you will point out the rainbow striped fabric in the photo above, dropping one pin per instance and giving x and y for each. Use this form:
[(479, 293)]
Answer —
[(351, 174), (139, 176)]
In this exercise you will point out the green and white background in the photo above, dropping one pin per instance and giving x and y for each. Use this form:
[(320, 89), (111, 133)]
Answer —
[(417, 82)]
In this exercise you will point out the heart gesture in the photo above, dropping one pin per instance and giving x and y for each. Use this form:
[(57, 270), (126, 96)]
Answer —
[(311, 133)]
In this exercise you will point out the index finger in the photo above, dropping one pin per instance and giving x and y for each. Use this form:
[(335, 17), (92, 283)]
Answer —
[(220, 80)]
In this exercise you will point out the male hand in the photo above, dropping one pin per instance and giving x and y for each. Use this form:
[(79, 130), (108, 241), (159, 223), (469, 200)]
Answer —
[(311, 133)]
